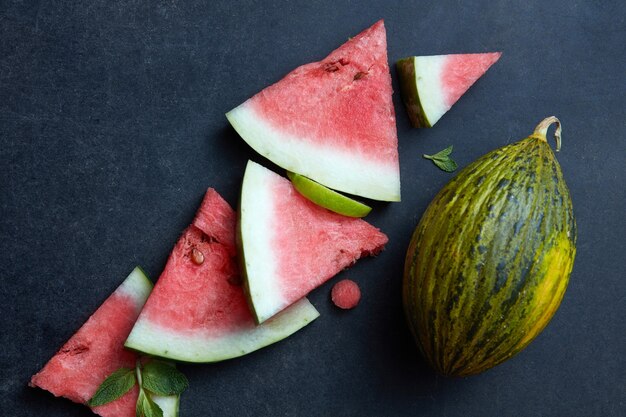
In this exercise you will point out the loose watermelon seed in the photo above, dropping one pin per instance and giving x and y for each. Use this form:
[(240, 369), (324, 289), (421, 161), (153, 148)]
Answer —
[(346, 294), (197, 257)]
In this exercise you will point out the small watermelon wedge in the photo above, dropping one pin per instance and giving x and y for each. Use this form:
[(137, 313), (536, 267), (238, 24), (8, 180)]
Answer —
[(290, 245), (197, 311), (96, 350), (332, 121), (430, 85)]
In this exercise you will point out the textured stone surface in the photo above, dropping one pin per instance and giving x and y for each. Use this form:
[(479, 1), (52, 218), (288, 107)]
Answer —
[(112, 128)]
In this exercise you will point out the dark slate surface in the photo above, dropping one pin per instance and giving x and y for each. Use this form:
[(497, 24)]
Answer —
[(112, 127)]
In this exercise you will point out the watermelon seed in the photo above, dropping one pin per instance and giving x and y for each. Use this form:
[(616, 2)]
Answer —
[(335, 65), (359, 75), (197, 257), (76, 350)]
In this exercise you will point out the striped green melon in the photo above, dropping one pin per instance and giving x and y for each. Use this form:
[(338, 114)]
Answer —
[(489, 261)]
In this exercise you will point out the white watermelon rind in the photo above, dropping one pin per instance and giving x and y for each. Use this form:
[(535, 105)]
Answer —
[(170, 404), (137, 286), (255, 226), (421, 89), (341, 170), (153, 339)]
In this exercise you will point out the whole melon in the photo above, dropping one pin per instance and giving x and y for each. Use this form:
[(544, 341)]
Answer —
[(490, 260)]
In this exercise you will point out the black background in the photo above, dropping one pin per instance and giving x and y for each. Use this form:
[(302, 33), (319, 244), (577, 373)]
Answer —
[(112, 127)]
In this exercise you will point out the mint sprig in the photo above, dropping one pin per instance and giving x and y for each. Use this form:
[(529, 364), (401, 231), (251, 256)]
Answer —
[(116, 385), (146, 407), (163, 379), (442, 159), (154, 377)]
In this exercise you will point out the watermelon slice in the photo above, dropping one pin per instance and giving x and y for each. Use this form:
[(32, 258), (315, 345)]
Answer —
[(430, 85), (197, 311), (96, 350), (291, 245), (332, 121)]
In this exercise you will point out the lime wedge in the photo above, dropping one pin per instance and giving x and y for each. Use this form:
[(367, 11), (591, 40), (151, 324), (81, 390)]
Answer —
[(328, 198)]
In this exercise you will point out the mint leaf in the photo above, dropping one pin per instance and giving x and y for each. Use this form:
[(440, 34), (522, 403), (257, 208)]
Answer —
[(447, 165), (146, 407), (443, 160), (445, 152), (163, 379), (113, 387)]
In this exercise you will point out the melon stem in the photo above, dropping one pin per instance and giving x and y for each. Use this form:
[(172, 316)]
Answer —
[(542, 130)]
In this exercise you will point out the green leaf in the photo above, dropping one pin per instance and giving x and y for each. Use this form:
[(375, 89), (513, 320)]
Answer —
[(112, 388), (163, 379), (447, 165), (443, 160), (146, 407), (445, 152)]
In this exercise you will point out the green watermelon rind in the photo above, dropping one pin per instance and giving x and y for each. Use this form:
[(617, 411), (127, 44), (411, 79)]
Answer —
[(410, 93), (327, 198)]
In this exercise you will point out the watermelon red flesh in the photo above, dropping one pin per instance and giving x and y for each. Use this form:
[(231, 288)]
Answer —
[(290, 245), (97, 349), (432, 84), (191, 297), (346, 294), (332, 121), (198, 312)]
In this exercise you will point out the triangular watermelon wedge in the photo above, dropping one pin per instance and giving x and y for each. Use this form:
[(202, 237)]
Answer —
[(197, 311), (290, 245), (332, 121), (430, 85), (96, 350)]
